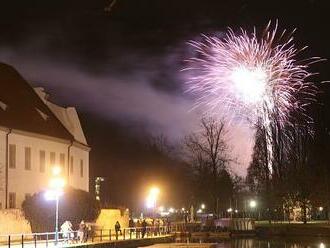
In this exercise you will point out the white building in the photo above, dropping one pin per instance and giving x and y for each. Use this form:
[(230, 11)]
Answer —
[(36, 135)]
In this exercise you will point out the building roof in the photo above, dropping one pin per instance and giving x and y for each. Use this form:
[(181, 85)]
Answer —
[(68, 116), (21, 108)]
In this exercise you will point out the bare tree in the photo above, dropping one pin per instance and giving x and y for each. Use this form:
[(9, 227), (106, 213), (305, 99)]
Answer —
[(208, 155)]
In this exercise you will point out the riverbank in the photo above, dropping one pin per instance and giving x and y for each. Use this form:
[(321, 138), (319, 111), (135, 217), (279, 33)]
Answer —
[(293, 229)]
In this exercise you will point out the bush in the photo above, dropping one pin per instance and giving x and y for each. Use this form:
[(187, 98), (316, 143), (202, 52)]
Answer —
[(75, 205)]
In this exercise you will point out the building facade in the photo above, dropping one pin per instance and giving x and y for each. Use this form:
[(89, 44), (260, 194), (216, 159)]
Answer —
[(36, 135)]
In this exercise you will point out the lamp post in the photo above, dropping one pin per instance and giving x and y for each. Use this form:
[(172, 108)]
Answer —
[(253, 205), (54, 192), (151, 201)]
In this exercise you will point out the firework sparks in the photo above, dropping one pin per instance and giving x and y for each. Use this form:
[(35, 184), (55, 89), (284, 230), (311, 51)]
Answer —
[(253, 78)]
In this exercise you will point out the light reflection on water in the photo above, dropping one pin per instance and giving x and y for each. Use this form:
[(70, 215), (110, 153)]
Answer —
[(296, 242)]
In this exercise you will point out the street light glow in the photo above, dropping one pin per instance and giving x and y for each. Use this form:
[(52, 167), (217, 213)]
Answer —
[(203, 206), (154, 191), (151, 200), (253, 204), (56, 183), (56, 170)]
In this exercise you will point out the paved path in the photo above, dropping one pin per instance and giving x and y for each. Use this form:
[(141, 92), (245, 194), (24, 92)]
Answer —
[(42, 244)]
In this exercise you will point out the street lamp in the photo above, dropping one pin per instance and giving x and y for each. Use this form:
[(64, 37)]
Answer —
[(56, 185), (252, 204), (151, 201)]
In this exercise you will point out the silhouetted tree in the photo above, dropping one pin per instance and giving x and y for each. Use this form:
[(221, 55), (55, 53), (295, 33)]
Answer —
[(75, 205), (208, 155)]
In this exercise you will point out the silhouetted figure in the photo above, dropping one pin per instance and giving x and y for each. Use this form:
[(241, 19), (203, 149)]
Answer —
[(82, 231), (138, 229), (144, 228), (117, 229)]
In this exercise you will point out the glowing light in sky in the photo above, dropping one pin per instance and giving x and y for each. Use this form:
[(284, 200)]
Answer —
[(250, 84), (252, 78)]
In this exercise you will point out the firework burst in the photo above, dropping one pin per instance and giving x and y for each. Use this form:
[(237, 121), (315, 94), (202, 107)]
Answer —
[(251, 77), (247, 74)]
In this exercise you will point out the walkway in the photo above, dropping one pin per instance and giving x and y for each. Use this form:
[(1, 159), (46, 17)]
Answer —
[(40, 240)]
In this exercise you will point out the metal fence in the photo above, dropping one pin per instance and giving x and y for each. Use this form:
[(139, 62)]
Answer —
[(47, 239)]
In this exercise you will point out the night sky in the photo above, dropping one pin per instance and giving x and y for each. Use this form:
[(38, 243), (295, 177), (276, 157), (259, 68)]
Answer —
[(119, 64)]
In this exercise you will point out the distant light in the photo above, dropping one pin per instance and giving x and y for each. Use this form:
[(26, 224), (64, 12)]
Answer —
[(199, 211), (171, 210), (253, 204), (321, 209), (182, 209), (203, 206), (152, 197), (236, 211), (150, 202), (229, 210), (322, 245), (161, 208), (164, 214)]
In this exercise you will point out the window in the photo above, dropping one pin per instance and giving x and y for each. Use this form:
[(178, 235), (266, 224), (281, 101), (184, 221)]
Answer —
[(71, 165), (81, 168), (52, 159), (12, 156), (12, 200), (28, 158), (62, 160), (42, 161)]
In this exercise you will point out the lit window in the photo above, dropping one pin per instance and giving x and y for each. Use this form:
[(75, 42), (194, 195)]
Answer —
[(71, 166), (81, 168), (12, 200), (28, 158), (52, 159), (62, 160), (12, 156), (42, 161)]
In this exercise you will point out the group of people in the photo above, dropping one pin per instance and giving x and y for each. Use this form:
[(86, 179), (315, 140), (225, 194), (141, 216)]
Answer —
[(68, 233)]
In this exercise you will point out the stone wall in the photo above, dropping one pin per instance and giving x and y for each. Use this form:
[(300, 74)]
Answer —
[(13, 221), (108, 218)]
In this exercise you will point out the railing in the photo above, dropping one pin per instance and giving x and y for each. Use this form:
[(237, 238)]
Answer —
[(47, 239)]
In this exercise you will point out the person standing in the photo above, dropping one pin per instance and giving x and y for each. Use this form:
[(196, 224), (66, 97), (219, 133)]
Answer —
[(117, 229), (82, 231), (138, 229), (144, 228)]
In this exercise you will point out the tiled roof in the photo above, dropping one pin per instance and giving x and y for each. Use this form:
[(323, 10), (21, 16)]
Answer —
[(23, 109)]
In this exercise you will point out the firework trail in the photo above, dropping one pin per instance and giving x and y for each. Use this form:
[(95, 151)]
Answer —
[(254, 78)]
